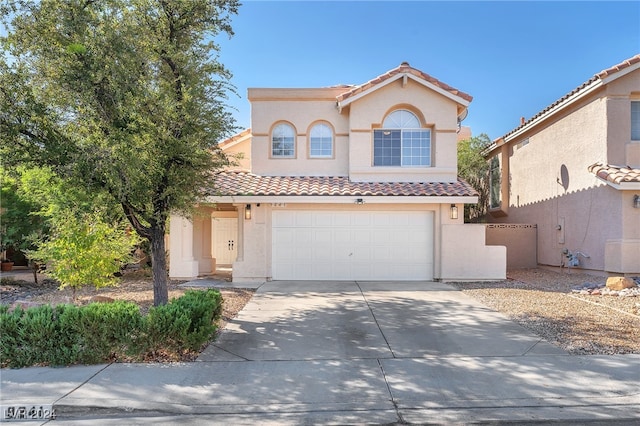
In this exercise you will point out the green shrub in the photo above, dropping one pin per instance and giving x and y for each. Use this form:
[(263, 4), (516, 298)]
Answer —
[(107, 330), (184, 323), (10, 341), (103, 332)]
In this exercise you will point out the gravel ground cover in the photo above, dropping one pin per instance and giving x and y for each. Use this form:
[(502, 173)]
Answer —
[(541, 300)]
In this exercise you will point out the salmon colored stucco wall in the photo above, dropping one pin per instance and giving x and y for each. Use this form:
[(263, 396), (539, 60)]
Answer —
[(549, 184)]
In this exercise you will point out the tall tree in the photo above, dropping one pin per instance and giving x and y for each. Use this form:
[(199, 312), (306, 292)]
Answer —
[(473, 168), (126, 96)]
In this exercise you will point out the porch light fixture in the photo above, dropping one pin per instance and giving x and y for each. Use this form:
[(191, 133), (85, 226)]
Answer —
[(636, 201), (247, 212), (453, 213)]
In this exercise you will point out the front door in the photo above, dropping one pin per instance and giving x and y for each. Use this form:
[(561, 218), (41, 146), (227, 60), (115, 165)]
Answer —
[(225, 240)]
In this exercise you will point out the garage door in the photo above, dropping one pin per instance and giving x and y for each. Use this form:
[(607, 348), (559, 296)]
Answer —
[(359, 245)]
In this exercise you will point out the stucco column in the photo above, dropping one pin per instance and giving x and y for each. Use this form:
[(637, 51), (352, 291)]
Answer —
[(181, 261)]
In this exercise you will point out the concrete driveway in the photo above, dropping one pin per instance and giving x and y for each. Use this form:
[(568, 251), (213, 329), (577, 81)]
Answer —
[(381, 320), (349, 353)]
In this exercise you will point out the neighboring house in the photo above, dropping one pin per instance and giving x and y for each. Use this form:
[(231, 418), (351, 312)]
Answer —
[(342, 183), (574, 170)]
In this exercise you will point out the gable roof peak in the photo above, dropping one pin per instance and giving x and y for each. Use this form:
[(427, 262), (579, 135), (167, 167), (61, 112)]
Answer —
[(403, 69)]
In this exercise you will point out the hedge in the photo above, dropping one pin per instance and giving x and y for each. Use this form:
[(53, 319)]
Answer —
[(106, 332)]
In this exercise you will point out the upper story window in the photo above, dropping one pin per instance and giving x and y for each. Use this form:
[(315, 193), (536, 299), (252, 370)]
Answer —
[(635, 120), (283, 139), (321, 141), (401, 141), (494, 182)]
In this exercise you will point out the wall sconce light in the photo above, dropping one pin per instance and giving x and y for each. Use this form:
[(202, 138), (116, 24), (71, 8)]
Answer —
[(359, 201), (636, 201), (247, 212), (453, 213)]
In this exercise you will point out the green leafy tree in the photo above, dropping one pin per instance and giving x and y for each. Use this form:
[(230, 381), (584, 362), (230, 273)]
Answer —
[(84, 250), (473, 168), (122, 96), (19, 223), (79, 235)]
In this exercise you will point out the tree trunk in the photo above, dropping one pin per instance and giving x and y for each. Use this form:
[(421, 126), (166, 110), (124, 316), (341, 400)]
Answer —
[(159, 266)]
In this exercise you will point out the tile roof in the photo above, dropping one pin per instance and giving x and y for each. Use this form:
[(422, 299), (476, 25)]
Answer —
[(599, 76), (615, 174), (230, 183), (403, 68)]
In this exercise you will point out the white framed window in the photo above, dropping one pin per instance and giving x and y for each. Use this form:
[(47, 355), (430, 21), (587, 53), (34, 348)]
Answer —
[(402, 141), (635, 120), (283, 139), (321, 141)]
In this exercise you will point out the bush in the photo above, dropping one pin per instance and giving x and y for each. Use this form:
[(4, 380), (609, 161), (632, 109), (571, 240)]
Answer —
[(185, 323), (103, 332)]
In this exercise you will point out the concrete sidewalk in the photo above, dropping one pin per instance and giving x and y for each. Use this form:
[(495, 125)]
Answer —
[(349, 353)]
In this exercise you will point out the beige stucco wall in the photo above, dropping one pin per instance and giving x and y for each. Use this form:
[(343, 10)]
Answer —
[(465, 257), (520, 241), (240, 153), (353, 127), (435, 112), (300, 108), (182, 263)]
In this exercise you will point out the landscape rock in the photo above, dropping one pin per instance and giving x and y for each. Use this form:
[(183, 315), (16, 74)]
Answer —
[(620, 283)]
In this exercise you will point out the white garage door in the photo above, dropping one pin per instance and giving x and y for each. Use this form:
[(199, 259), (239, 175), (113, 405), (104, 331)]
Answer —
[(360, 245)]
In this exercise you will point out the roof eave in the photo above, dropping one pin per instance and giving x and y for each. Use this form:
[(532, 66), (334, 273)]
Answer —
[(595, 85), (596, 82), (622, 186), (342, 104), (343, 199)]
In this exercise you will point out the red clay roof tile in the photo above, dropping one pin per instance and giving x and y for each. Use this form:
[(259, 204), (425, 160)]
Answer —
[(232, 183), (615, 174), (403, 68)]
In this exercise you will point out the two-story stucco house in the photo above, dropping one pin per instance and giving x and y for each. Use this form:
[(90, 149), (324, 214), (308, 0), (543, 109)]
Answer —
[(574, 170), (342, 183)]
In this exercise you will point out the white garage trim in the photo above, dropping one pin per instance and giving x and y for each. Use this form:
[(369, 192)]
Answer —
[(352, 245)]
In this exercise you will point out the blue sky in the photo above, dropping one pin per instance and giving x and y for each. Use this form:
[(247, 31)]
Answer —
[(514, 58)]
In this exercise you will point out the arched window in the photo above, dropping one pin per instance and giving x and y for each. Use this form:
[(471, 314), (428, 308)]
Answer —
[(321, 141), (283, 139), (402, 141)]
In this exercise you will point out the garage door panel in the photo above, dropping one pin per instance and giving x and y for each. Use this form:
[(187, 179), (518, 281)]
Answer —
[(352, 245), (343, 236), (361, 237)]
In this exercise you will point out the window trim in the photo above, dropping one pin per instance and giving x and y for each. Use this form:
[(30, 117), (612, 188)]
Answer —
[(271, 144), (333, 138)]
